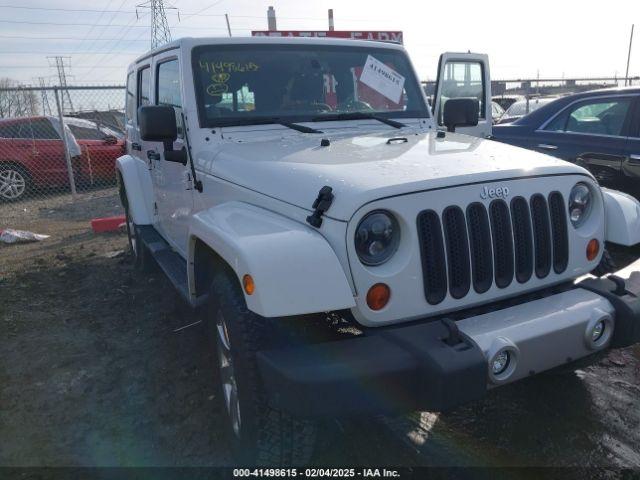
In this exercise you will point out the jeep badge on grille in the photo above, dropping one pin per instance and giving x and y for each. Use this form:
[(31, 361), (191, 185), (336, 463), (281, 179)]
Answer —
[(500, 192)]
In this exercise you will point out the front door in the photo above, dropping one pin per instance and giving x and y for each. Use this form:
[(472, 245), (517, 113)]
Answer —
[(464, 75), (174, 186), (591, 132)]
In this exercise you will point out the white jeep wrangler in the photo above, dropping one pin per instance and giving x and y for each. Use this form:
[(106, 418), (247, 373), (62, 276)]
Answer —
[(277, 181)]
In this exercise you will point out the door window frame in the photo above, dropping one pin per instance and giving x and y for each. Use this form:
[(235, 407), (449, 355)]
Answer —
[(156, 89), (596, 98), (138, 82)]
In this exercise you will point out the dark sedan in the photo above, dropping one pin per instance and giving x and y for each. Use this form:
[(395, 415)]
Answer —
[(599, 130)]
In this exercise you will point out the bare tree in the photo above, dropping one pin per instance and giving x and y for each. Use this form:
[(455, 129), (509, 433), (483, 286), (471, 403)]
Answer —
[(16, 103)]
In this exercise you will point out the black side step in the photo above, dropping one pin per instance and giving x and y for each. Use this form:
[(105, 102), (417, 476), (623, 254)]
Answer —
[(171, 263)]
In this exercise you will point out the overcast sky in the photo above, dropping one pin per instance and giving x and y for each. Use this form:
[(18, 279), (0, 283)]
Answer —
[(555, 38)]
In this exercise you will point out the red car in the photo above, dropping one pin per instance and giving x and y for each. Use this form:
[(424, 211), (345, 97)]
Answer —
[(32, 154)]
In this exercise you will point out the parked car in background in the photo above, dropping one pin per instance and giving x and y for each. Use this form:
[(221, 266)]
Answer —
[(599, 129), (505, 101), (32, 154), (523, 107), (101, 146), (496, 112)]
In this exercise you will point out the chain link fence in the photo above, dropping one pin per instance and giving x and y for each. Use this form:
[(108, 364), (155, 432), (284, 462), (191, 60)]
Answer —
[(57, 144)]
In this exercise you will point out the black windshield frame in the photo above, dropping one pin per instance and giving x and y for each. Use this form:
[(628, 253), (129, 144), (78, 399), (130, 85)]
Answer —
[(205, 122)]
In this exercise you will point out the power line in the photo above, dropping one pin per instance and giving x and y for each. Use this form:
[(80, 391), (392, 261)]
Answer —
[(101, 25), (31, 37)]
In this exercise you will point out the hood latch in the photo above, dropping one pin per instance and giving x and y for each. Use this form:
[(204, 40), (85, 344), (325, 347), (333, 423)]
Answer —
[(320, 205)]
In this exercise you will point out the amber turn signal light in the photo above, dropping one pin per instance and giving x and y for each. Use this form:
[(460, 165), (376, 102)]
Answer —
[(378, 296), (247, 283), (593, 248)]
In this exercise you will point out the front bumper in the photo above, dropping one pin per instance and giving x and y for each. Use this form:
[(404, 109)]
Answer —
[(419, 366)]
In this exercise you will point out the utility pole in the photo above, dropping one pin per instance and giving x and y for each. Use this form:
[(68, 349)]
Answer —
[(160, 33), (271, 20), (65, 99), (331, 25), (626, 76), (46, 107), (226, 17)]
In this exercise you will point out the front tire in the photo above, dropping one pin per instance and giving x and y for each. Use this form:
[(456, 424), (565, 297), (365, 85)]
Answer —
[(258, 434), (141, 257)]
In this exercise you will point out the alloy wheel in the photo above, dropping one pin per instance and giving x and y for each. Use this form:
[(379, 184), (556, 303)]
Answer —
[(12, 184), (227, 374)]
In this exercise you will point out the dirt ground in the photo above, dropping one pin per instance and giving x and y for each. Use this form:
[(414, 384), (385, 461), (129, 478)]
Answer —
[(94, 371)]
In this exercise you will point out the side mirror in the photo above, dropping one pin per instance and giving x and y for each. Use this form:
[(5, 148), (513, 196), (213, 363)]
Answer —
[(157, 123), (460, 112)]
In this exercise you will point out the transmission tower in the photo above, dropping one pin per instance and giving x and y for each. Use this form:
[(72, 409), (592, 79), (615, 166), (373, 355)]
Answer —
[(46, 107), (160, 33), (65, 98)]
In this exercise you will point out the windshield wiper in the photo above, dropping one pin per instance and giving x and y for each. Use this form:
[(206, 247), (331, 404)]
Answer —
[(236, 122), (332, 117)]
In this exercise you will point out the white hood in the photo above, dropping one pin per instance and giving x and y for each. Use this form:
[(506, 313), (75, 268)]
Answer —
[(364, 168)]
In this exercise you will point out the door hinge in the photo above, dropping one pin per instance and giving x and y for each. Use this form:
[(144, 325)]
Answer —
[(155, 208), (320, 205)]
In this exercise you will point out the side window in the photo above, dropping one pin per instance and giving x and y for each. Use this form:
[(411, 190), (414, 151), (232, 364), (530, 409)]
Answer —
[(144, 87), (463, 80), (595, 117), (86, 133), (43, 130), (130, 101), (168, 88), (10, 130)]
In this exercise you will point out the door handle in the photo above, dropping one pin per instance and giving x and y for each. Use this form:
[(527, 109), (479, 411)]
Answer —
[(634, 158), (136, 146), (153, 155), (546, 146)]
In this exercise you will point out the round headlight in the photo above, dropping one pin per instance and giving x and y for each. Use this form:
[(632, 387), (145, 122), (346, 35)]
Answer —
[(580, 200), (377, 237)]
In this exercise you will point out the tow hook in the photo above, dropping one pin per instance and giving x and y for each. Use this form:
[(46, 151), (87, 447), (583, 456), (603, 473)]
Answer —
[(454, 337), (320, 205)]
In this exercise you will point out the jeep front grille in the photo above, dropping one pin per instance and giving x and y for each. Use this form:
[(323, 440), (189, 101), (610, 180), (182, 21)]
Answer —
[(481, 247)]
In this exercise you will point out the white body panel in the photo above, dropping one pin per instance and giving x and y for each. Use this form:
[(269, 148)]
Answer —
[(294, 268), (622, 212), (137, 182)]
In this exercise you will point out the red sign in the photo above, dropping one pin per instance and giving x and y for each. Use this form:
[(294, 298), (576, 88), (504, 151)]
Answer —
[(354, 35)]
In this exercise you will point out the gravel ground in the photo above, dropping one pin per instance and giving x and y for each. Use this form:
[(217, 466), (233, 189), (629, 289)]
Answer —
[(93, 372)]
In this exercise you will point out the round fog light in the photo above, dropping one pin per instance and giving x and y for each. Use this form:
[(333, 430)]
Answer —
[(598, 331), (500, 362)]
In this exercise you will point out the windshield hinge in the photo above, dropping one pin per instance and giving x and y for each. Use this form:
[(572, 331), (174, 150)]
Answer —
[(320, 205)]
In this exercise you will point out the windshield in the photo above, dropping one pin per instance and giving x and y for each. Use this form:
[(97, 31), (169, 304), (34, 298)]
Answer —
[(236, 83), (522, 107)]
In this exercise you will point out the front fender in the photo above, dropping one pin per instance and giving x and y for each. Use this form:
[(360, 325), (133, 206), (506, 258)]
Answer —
[(294, 269), (137, 184), (622, 218)]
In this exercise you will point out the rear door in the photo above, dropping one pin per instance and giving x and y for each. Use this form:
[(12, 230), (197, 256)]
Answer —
[(174, 188), (464, 75), (592, 132)]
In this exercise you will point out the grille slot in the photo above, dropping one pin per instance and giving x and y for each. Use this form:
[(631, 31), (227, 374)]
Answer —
[(433, 263), (522, 239), (502, 243), (541, 235), (455, 234), (559, 232), (480, 246)]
